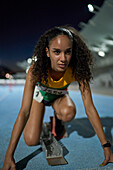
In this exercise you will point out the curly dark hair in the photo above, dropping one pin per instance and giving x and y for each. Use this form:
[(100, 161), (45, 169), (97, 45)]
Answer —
[(81, 60)]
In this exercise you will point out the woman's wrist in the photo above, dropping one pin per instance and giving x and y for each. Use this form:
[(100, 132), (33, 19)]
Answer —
[(107, 144), (9, 153)]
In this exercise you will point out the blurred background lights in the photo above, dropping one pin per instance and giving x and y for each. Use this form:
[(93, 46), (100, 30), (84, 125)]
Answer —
[(90, 8), (8, 76), (29, 60), (110, 42), (101, 53)]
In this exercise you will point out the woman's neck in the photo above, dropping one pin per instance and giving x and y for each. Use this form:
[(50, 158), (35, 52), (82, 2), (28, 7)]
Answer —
[(56, 75)]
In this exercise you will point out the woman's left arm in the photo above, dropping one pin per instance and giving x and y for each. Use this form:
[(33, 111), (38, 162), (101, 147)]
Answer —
[(95, 121)]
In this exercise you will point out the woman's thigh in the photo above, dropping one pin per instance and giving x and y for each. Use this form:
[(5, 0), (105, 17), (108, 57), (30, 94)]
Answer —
[(33, 126), (65, 108)]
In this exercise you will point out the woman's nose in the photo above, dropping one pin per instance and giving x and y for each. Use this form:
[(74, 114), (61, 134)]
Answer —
[(63, 57)]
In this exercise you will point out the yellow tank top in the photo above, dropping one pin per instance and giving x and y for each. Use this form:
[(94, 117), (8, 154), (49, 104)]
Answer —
[(62, 83)]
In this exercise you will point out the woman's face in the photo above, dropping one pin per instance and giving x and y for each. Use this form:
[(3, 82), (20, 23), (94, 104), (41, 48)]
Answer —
[(60, 52)]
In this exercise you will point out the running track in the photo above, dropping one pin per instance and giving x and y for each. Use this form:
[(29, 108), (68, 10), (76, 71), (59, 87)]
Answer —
[(82, 149)]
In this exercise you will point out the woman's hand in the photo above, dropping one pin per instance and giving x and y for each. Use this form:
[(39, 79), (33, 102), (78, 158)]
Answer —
[(108, 156), (9, 163)]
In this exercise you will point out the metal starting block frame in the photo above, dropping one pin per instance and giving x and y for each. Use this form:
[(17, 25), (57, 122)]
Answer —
[(51, 147)]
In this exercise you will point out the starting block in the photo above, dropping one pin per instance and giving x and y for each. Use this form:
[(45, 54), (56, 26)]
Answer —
[(51, 147)]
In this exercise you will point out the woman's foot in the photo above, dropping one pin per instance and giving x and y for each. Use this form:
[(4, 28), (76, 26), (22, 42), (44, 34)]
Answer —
[(58, 128)]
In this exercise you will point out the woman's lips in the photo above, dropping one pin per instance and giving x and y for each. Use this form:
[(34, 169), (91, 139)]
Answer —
[(62, 65)]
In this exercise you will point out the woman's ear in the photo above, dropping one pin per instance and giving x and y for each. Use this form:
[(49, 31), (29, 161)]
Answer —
[(47, 52)]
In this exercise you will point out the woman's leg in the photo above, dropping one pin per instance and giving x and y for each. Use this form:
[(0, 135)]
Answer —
[(33, 126), (65, 108)]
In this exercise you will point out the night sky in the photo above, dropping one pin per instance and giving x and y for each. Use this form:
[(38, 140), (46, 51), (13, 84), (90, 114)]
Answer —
[(22, 23)]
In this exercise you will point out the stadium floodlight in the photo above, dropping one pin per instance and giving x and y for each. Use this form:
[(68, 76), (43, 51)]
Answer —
[(29, 60), (101, 53), (90, 8)]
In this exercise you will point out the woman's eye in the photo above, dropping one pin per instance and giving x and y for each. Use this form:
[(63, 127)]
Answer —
[(57, 52), (68, 52)]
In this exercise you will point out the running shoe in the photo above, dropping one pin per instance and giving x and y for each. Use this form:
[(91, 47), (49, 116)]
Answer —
[(58, 128)]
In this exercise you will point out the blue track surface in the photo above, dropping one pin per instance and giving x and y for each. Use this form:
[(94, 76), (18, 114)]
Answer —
[(82, 149)]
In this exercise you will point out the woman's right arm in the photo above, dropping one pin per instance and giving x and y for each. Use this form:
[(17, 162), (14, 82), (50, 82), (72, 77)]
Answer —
[(20, 122)]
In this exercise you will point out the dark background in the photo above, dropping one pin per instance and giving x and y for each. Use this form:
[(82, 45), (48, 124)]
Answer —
[(22, 23)]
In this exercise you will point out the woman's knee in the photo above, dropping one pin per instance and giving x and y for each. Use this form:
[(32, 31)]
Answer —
[(68, 113), (30, 139)]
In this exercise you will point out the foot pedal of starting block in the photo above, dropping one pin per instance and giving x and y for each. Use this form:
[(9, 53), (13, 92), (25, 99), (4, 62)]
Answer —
[(52, 148)]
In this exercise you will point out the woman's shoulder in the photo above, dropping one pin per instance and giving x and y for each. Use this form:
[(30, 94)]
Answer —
[(31, 77)]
